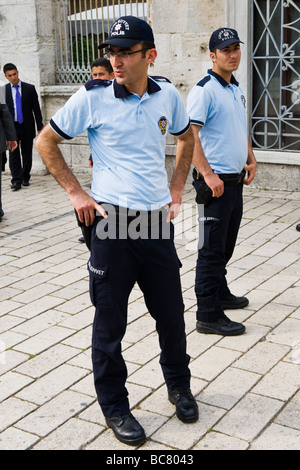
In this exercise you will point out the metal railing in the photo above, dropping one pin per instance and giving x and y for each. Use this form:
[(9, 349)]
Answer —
[(275, 58), (80, 26)]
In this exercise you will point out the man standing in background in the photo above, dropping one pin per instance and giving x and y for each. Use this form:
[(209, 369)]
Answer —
[(23, 104), (224, 161), (7, 138), (102, 69)]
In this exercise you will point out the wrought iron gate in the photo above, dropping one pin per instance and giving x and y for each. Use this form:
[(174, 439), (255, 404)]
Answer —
[(80, 26), (275, 58)]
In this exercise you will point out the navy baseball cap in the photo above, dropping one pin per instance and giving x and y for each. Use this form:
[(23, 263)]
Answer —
[(127, 31), (222, 38)]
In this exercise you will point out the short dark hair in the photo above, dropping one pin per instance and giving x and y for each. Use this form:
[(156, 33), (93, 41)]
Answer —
[(102, 62), (146, 45), (8, 67)]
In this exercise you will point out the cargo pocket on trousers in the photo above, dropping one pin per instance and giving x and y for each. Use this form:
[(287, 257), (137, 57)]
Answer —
[(98, 284)]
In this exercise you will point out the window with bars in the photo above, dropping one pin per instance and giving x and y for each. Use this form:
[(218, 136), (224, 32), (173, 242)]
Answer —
[(80, 26), (275, 59)]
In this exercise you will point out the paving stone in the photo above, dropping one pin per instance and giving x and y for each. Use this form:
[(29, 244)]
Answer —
[(249, 417), (85, 385), (218, 441), (12, 382), (246, 386), (277, 438), (212, 362), (261, 357), (52, 384), (73, 435), (144, 350), (50, 416), (82, 339), (288, 332), (228, 388), (9, 359), (44, 340), (271, 314), (291, 296), (37, 306), (281, 382), (138, 329), (12, 410), (46, 361), (171, 433), (254, 333), (14, 439), (290, 415), (150, 375)]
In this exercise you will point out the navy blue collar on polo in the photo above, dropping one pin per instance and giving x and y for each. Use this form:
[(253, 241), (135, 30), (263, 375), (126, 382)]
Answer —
[(221, 80), (122, 92)]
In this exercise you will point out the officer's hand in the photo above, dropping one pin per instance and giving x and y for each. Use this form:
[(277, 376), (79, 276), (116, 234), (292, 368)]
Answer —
[(173, 211), (12, 145), (215, 184), (85, 207), (175, 205), (251, 170)]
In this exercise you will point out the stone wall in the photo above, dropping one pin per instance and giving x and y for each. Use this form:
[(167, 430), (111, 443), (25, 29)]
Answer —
[(182, 30)]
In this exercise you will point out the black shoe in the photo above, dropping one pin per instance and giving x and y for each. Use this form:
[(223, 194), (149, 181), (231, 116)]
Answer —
[(234, 302), (15, 186), (298, 227), (222, 326), (81, 240), (1, 214), (186, 406), (127, 429), (25, 183)]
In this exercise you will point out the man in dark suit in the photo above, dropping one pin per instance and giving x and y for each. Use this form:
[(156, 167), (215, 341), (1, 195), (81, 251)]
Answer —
[(23, 104), (7, 138)]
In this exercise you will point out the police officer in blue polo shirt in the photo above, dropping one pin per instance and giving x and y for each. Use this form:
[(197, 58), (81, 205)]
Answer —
[(224, 161), (127, 121)]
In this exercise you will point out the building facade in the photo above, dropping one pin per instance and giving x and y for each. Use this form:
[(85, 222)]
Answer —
[(53, 42)]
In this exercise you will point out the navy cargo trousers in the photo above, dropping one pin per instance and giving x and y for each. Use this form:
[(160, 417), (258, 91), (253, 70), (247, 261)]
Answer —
[(220, 225), (116, 264)]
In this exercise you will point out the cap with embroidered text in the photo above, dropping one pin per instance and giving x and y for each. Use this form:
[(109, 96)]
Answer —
[(127, 31), (222, 38)]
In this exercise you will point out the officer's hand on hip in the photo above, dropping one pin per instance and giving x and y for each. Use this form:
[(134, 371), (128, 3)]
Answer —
[(215, 184), (86, 207), (251, 170)]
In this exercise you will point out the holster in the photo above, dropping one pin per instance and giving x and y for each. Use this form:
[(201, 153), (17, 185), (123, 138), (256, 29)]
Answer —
[(203, 191), (86, 231)]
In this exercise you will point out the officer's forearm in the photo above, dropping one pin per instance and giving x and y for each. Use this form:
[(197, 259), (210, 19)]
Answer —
[(202, 165), (47, 146), (199, 159), (184, 155)]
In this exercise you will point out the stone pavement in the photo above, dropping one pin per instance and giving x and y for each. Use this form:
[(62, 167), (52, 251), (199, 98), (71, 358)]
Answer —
[(247, 387)]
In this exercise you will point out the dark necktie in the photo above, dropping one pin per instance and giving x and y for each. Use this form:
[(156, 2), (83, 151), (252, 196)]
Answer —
[(19, 105)]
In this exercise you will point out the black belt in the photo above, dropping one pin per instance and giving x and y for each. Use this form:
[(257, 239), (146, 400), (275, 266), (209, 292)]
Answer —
[(230, 179)]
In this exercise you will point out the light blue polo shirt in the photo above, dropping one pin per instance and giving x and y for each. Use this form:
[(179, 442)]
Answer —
[(127, 135), (219, 108)]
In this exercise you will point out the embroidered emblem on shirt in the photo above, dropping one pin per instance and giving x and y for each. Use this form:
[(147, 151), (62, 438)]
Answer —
[(243, 100), (163, 124)]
